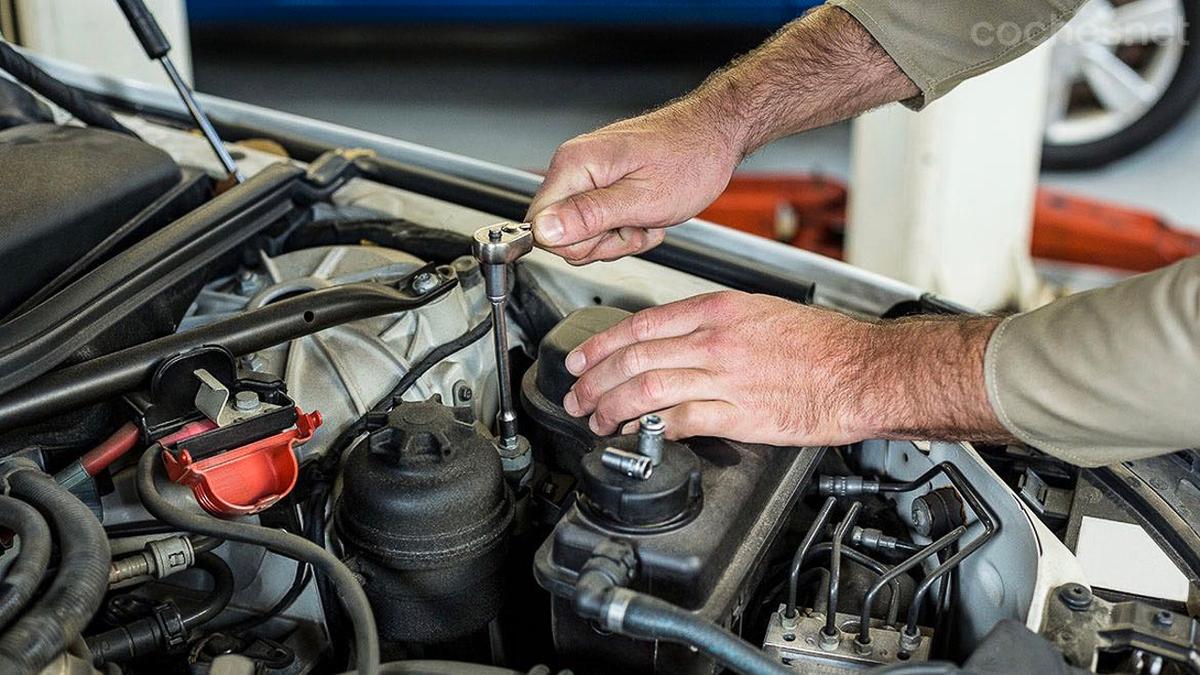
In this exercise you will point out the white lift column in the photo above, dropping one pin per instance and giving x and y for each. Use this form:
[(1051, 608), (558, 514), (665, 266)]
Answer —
[(94, 33), (943, 199)]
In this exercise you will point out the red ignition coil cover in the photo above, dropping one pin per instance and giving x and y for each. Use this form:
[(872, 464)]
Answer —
[(244, 480)]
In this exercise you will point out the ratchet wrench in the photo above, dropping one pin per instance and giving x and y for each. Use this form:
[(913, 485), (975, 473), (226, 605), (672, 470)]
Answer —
[(496, 247)]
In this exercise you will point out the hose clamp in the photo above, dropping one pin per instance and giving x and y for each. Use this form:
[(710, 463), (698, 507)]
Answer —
[(614, 617)]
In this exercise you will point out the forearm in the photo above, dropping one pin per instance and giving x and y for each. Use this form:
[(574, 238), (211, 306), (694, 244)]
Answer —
[(818, 69), (924, 378)]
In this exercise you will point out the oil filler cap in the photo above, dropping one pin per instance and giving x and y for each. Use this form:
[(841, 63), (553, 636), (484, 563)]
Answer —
[(668, 498)]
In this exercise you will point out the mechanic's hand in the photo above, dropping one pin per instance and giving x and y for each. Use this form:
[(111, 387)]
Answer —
[(751, 368), (610, 193)]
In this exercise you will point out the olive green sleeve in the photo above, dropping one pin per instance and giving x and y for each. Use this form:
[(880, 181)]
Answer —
[(1104, 376), (940, 43)]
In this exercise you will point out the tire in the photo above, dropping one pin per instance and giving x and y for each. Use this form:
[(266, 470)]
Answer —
[(1176, 101)]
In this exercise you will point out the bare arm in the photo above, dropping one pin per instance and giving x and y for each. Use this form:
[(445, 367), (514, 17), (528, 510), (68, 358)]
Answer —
[(609, 193), (820, 69)]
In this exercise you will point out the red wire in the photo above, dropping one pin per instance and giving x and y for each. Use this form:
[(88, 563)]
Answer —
[(121, 442)]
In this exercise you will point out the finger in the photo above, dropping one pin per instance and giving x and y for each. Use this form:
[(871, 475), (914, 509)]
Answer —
[(701, 418), (608, 246), (607, 252), (587, 214), (622, 242), (627, 363), (565, 176), (664, 321), (650, 391)]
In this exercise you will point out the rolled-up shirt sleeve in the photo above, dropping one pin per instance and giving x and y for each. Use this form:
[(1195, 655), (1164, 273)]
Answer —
[(1104, 376), (941, 43)]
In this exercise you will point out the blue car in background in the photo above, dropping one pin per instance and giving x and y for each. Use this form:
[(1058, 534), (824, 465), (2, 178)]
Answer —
[(628, 12)]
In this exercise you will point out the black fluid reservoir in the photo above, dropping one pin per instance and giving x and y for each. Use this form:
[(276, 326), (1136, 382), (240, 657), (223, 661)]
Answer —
[(564, 439), (424, 516)]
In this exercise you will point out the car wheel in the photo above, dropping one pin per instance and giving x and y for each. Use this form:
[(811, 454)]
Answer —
[(1123, 73)]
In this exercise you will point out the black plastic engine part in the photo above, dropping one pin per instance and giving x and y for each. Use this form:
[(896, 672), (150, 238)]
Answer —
[(18, 106), (66, 97), (424, 517), (65, 190), (668, 498), (128, 369), (46, 336), (548, 380), (706, 564), (937, 512), (169, 402), (193, 189)]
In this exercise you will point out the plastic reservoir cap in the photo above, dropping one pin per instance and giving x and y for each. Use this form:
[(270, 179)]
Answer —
[(668, 498)]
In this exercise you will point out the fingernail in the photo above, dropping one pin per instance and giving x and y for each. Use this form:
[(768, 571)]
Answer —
[(629, 428), (576, 362), (548, 229), (594, 425), (571, 403)]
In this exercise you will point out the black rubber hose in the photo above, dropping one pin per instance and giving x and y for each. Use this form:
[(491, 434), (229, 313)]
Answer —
[(46, 628), (351, 594), (218, 599), (649, 618), (432, 667), (65, 97), (26, 573)]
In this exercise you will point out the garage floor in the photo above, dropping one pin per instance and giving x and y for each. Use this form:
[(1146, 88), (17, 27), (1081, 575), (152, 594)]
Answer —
[(512, 96)]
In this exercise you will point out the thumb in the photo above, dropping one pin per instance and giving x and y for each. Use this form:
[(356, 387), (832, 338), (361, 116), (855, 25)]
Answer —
[(588, 214)]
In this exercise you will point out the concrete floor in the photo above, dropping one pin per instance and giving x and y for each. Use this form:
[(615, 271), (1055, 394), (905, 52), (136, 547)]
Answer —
[(513, 96)]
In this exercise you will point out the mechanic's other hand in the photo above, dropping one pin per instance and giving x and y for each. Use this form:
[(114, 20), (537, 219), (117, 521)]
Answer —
[(610, 193), (752, 368)]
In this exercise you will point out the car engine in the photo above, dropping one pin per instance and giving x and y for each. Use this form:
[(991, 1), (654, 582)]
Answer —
[(258, 427)]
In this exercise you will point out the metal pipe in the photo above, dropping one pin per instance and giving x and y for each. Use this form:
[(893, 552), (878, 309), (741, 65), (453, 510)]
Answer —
[(814, 531), (991, 525), (871, 564), (864, 622), (835, 567)]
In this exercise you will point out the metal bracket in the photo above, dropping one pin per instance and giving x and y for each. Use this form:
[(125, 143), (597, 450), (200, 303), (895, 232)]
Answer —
[(1081, 625)]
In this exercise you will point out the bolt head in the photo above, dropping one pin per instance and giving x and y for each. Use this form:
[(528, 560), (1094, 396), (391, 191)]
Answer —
[(1076, 596), (829, 641), (424, 282), (1164, 618), (246, 401), (652, 423)]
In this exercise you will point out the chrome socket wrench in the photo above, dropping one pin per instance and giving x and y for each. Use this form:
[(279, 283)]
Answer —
[(497, 247)]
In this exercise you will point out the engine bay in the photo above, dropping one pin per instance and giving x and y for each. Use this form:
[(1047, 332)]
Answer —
[(256, 425)]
